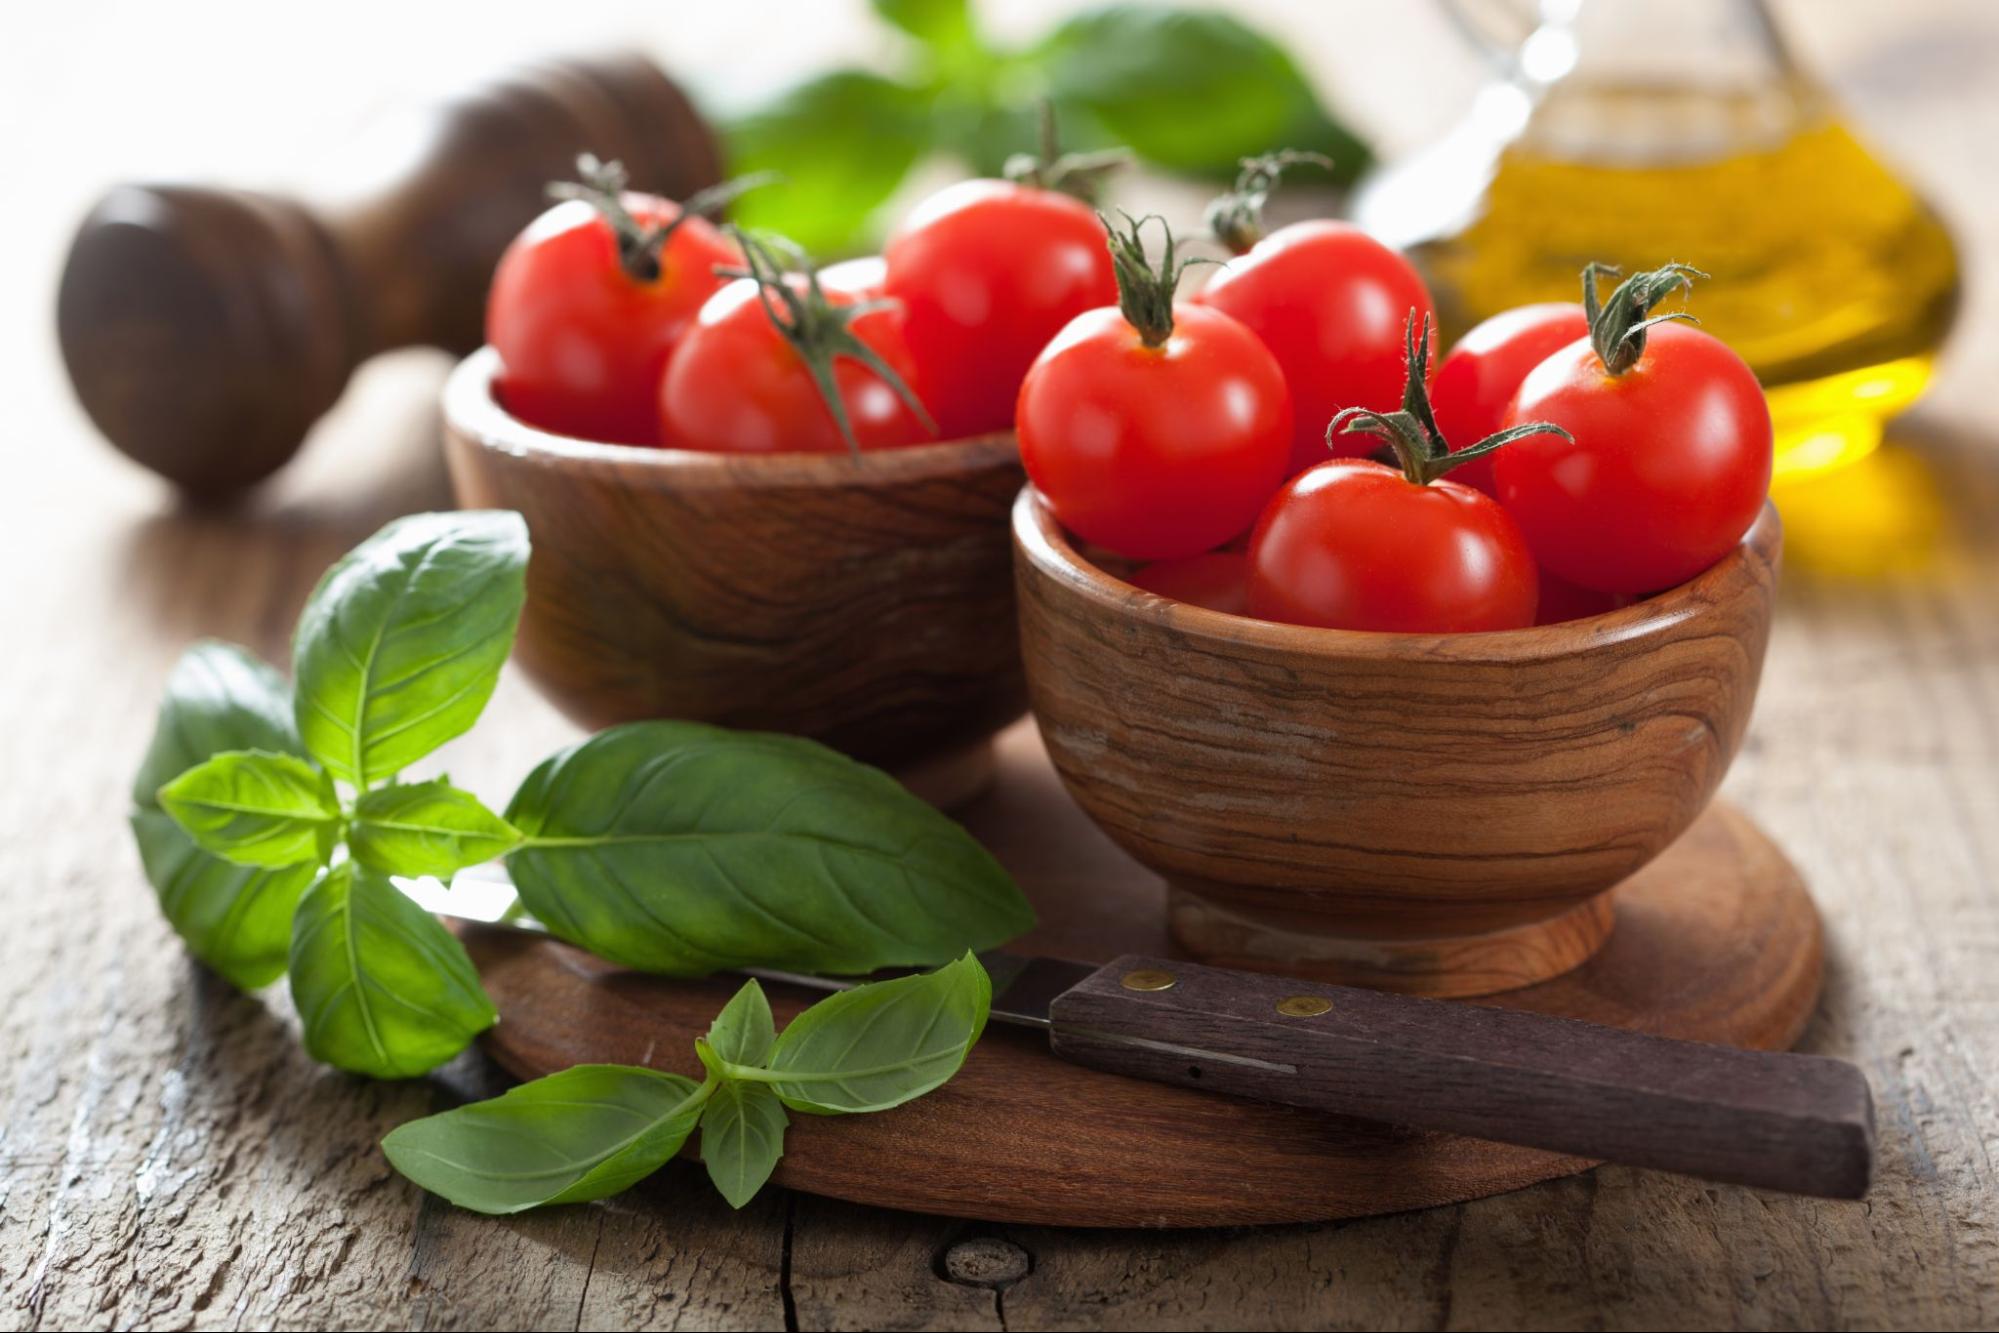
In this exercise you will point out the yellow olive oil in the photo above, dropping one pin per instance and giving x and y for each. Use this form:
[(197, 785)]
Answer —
[(1831, 277)]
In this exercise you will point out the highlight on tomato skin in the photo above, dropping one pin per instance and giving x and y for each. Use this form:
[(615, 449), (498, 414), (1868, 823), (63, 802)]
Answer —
[(987, 272), (1476, 381)]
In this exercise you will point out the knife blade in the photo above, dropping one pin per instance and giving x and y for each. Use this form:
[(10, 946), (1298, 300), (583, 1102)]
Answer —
[(1803, 1124)]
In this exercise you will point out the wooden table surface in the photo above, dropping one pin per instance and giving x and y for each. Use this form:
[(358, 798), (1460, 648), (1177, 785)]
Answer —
[(169, 1157)]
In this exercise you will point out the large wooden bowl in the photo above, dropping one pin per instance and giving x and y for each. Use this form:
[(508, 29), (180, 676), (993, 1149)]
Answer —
[(865, 602), (1442, 814)]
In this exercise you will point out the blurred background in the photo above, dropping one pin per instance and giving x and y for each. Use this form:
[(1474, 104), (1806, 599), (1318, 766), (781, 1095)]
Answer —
[(1819, 166)]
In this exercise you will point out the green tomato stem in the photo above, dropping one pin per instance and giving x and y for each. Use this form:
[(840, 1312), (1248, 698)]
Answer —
[(1411, 431), (1617, 327)]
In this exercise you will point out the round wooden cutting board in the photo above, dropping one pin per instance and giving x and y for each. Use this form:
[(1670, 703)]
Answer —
[(1717, 941)]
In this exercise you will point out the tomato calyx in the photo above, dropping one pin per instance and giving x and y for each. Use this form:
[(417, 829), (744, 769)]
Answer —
[(1617, 327), (1411, 431), (602, 185), (1145, 293), (817, 329), (1078, 175), (1236, 218)]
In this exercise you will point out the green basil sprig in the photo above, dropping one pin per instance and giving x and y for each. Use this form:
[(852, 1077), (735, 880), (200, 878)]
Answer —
[(594, 1130), (272, 822), (265, 865)]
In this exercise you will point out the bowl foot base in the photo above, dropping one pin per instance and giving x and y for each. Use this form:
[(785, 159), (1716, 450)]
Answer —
[(1208, 930)]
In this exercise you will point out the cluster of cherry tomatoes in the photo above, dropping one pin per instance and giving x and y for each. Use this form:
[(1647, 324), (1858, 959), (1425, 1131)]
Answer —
[(1595, 453), (626, 318)]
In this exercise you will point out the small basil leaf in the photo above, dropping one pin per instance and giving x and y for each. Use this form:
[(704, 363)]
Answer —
[(585, 1133), (425, 828), (683, 849), (742, 1136), (400, 644), (1191, 90), (743, 1032), (219, 697), (883, 1044), (380, 987), (841, 142), (256, 808), (235, 918)]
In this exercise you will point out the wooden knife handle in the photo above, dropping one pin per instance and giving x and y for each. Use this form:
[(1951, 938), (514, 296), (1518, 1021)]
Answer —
[(1799, 1123), (206, 329)]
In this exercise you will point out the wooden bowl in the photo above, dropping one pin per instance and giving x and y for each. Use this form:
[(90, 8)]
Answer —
[(867, 603), (1439, 814)]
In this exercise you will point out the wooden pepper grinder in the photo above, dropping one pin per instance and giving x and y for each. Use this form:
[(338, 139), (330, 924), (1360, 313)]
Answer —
[(206, 330)]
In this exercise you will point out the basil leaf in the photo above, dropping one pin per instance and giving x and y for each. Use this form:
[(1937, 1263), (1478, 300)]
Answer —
[(235, 918), (679, 848), (380, 987), (742, 1136), (219, 697), (880, 1045), (1191, 90), (257, 808), (743, 1032), (842, 142), (425, 828), (400, 644), (584, 1133)]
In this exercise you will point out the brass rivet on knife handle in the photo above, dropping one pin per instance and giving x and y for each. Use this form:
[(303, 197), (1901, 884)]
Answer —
[(1149, 978), (1304, 1006)]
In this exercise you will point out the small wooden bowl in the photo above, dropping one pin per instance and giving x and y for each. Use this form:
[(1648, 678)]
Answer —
[(867, 603), (1437, 814)]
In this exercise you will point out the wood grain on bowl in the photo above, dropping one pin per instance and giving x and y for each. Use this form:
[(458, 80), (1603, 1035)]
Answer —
[(1434, 813), (865, 602)]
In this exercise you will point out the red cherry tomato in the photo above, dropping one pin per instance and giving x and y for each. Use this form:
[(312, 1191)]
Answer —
[(1351, 544), (1155, 452), (582, 341), (1475, 384), (988, 271), (1217, 580), (1561, 600), (737, 385), (1668, 468), (1330, 303)]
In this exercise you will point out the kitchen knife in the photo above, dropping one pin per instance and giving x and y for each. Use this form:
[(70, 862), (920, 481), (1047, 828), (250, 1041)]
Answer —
[(1803, 1124)]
